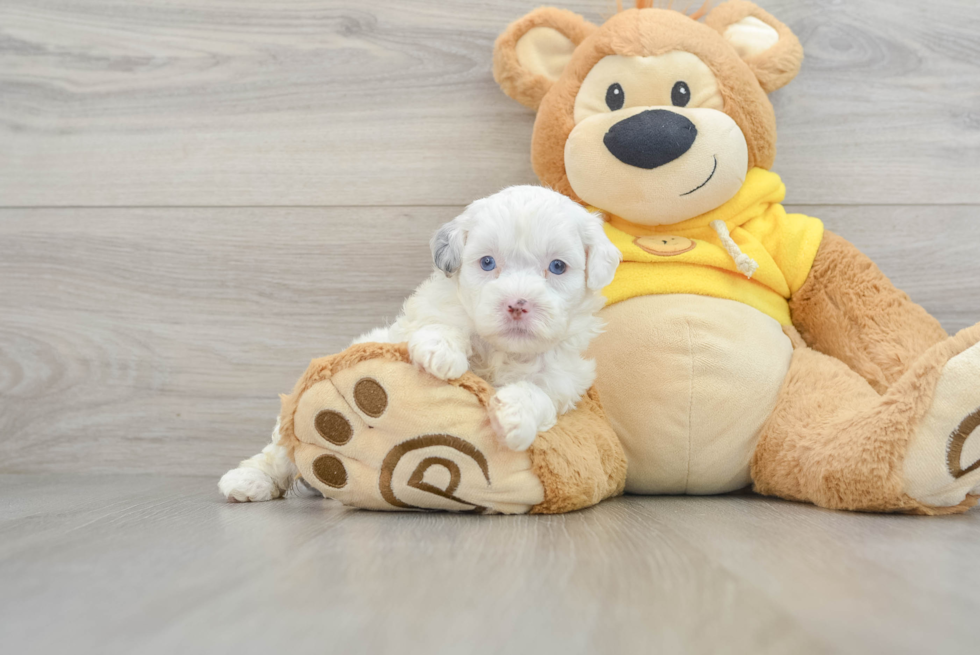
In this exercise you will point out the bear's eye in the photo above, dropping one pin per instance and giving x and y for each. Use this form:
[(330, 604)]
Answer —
[(488, 264), (615, 97), (680, 95)]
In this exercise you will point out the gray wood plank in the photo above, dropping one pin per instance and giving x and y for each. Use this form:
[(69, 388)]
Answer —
[(122, 564), (861, 581), (339, 102), (156, 340), (145, 322)]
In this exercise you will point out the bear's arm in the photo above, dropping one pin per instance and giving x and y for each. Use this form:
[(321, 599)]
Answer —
[(848, 309)]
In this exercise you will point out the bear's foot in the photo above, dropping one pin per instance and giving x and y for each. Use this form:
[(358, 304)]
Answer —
[(380, 434), (942, 464)]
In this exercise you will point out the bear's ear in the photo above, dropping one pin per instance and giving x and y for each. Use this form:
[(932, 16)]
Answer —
[(531, 54), (770, 49)]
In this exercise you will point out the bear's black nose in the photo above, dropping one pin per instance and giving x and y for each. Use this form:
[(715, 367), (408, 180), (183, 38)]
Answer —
[(651, 138)]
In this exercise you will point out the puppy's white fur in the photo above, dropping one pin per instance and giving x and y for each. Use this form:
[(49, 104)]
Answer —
[(520, 325)]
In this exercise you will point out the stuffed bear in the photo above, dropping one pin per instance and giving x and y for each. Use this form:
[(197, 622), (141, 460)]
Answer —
[(744, 346)]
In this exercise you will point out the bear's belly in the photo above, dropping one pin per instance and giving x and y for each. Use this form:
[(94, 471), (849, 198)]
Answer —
[(687, 383)]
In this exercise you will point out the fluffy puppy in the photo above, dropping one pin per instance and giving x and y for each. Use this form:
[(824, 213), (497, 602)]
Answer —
[(514, 299)]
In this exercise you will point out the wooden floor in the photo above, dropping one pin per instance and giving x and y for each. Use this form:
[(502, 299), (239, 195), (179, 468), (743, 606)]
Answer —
[(144, 564), (199, 196)]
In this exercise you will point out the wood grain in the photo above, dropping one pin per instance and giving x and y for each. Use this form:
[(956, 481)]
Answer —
[(156, 340), (165, 329), (150, 564), (339, 102)]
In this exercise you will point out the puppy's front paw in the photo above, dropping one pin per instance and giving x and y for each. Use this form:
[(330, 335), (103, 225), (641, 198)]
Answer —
[(438, 357), (513, 418), (244, 485)]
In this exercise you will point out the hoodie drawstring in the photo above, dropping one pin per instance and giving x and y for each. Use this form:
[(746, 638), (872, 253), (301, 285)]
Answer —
[(745, 264)]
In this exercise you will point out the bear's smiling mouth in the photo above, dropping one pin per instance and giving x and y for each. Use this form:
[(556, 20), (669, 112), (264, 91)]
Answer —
[(706, 181)]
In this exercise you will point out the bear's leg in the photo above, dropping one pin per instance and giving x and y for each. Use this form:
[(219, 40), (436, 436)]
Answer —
[(834, 441), (368, 428), (849, 309)]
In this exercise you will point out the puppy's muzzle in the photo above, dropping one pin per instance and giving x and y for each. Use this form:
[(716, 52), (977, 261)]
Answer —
[(517, 308)]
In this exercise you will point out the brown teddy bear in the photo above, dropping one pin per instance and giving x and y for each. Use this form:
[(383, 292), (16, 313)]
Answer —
[(744, 346)]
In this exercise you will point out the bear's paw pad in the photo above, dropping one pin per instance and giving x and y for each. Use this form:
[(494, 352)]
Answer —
[(384, 435)]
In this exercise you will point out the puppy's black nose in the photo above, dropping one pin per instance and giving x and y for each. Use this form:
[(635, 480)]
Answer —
[(651, 138)]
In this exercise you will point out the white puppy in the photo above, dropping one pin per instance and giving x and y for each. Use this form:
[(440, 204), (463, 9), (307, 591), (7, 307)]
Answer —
[(514, 299)]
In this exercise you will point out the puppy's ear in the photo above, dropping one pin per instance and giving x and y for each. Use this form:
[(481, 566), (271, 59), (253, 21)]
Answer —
[(532, 52), (601, 256), (447, 245), (770, 49)]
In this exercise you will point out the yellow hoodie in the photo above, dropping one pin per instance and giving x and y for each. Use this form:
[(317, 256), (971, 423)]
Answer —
[(690, 257)]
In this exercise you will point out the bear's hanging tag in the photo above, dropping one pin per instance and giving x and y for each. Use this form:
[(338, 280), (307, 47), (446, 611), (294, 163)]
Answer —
[(743, 262)]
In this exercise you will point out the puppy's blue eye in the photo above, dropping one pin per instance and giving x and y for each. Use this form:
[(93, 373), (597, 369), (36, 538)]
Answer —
[(557, 267), (488, 264)]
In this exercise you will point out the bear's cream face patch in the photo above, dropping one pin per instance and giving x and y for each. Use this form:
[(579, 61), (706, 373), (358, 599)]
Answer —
[(651, 142), (648, 82)]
